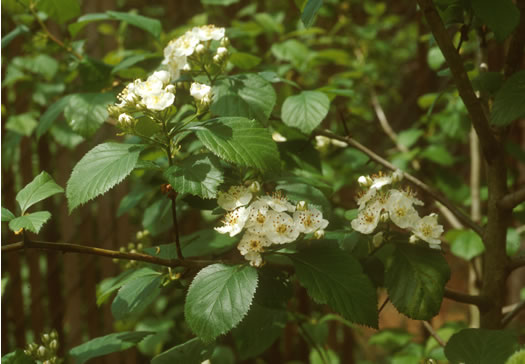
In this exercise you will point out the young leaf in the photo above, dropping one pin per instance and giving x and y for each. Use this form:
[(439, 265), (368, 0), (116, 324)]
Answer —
[(85, 113), (415, 281), (310, 10), (193, 351), (51, 114), (7, 215), (32, 222), (100, 169), (334, 277), (218, 299), (466, 244), (37, 190), (241, 141), (500, 16), (19, 29), (136, 293), (152, 26), (244, 61), (247, 95), (17, 357), (107, 344), (198, 175), (306, 110), (509, 104), (481, 346), (60, 10)]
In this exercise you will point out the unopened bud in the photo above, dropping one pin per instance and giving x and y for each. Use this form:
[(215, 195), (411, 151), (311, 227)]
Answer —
[(45, 338), (413, 239), (140, 246), (125, 119), (397, 175), (133, 251), (131, 246), (216, 58), (377, 240), (53, 345), (41, 352), (140, 235), (225, 42), (186, 67), (255, 187), (222, 51), (54, 334), (33, 347), (319, 234), (122, 249), (200, 48), (170, 88), (362, 181), (384, 217), (302, 206)]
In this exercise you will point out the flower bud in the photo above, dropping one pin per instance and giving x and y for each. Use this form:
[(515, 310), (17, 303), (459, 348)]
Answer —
[(140, 246), (131, 246), (186, 67), (41, 352), (122, 249), (255, 187), (384, 217), (125, 119), (170, 88), (225, 42), (222, 51), (200, 48), (377, 240), (362, 181), (45, 338), (53, 345), (54, 334), (413, 239), (302, 206), (319, 234), (397, 176)]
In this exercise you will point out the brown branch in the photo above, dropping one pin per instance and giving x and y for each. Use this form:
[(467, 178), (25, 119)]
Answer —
[(510, 316), (416, 182), (82, 249), (479, 301), (474, 107), (434, 334), (514, 58), (513, 199)]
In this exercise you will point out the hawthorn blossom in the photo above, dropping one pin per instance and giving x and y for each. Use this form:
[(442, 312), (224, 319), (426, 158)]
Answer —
[(310, 220), (201, 92), (234, 221), (280, 228), (159, 101), (236, 196), (258, 217), (428, 229), (251, 246), (208, 32), (400, 210), (367, 219), (278, 202)]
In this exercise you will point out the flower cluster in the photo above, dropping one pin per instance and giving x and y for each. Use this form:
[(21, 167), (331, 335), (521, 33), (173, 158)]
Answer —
[(46, 352), (192, 47), (379, 204), (267, 220)]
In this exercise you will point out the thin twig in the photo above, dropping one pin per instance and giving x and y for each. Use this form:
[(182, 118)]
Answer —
[(513, 199), (510, 316), (176, 227), (82, 249), (383, 305), (466, 298), (434, 334), (416, 182)]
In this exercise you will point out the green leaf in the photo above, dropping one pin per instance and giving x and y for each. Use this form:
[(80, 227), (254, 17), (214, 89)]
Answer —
[(435, 58), (500, 16), (465, 244), (219, 2), (409, 137), (218, 299), (306, 110), (23, 124), (81, 22), (247, 95), (438, 154), (481, 346), (17, 357), (415, 280), (198, 175), (513, 242), (193, 351), (110, 285), (20, 29), (334, 277), (509, 103), (310, 10), (152, 26), (40, 188), (132, 60), (244, 61), (99, 170), (7, 215), (107, 344), (85, 113), (32, 222), (51, 114), (240, 141), (294, 52), (136, 294), (60, 10)]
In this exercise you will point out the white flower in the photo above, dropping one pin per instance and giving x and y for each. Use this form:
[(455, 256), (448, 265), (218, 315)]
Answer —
[(201, 92), (310, 220), (258, 217), (365, 198), (209, 32), (174, 65), (151, 86), (251, 246), (222, 51), (397, 176), (164, 76), (236, 196), (128, 96), (400, 209), (159, 101), (234, 221), (125, 119), (365, 181), (429, 230), (280, 228), (380, 181), (367, 219), (184, 45), (278, 202)]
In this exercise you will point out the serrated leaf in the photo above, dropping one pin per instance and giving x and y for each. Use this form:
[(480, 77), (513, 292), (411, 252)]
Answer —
[(23, 124), (240, 141), (218, 299), (310, 10), (415, 280), (247, 95), (107, 344), (509, 103), (50, 115), (60, 10), (152, 26), (466, 244), (334, 277), (7, 215), (193, 351), (85, 113), (198, 175), (40, 188), (99, 170), (500, 16), (306, 110), (32, 222), (136, 293), (481, 346)]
